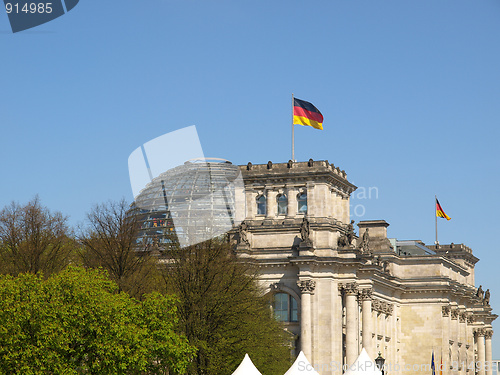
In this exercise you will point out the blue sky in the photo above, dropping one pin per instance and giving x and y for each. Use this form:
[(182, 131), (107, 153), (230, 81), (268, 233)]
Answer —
[(409, 90)]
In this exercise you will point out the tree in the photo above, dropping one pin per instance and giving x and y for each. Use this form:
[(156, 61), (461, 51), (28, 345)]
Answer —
[(75, 322), (109, 241), (33, 239), (222, 311)]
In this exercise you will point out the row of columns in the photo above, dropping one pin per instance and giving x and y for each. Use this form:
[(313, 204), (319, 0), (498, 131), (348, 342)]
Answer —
[(352, 295), (484, 351)]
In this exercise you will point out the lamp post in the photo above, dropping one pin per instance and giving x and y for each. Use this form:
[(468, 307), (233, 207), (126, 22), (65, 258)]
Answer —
[(380, 362)]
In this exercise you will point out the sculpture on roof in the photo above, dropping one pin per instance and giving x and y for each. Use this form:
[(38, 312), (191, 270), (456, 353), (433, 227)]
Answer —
[(350, 232), (243, 234), (486, 300), (364, 246), (480, 293)]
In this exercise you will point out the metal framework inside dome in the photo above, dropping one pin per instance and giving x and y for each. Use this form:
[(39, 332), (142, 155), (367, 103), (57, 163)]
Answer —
[(189, 203)]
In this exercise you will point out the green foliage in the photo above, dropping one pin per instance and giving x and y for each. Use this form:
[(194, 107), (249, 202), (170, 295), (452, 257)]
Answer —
[(75, 322), (223, 313)]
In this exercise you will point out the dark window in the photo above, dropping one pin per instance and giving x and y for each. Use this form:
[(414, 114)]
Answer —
[(282, 204), (285, 308), (261, 205), (302, 203)]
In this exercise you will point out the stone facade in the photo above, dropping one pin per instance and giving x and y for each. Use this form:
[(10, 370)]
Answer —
[(401, 299)]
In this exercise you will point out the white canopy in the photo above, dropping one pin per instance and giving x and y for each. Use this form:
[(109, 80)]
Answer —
[(301, 366), (246, 367), (364, 365)]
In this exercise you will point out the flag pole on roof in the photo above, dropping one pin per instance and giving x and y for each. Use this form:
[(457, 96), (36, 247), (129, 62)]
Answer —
[(439, 213), (293, 133)]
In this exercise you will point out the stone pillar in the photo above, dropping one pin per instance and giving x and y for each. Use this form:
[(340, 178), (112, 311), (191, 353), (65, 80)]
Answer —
[(352, 332), (488, 353), (251, 204), (346, 214), (292, 202), (366, 308), (307, 289), (481, 355), (271, 204)]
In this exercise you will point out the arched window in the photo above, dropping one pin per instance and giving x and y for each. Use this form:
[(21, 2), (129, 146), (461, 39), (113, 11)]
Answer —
[(282, 204), (285, 308), (302, 203), (261, 205)]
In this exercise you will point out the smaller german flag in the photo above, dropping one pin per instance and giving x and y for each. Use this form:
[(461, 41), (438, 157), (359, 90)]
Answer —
[(440, 212), (304, 113)]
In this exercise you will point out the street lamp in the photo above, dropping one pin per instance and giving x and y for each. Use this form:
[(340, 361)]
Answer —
[(380, 362)]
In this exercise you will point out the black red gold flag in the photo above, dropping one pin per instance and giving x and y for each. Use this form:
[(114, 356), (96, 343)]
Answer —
[(304, 113)]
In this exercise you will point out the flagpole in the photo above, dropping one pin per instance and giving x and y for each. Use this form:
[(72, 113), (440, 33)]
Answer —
[(293, 133), (436, 217)]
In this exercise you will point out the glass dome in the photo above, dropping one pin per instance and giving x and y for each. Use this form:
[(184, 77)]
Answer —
[(190, 203)]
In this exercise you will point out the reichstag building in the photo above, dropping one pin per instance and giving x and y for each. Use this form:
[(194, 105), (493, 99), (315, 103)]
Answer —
[(337, 292)]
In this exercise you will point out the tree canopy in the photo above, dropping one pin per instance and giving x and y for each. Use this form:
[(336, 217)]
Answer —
[(109, 241), (75, 322), (34, 239)]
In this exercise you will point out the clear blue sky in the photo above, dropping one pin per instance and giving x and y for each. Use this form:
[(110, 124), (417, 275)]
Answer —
[(410, 92)]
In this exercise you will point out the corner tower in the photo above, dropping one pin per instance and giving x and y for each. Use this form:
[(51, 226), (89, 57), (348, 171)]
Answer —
[(279, 196)]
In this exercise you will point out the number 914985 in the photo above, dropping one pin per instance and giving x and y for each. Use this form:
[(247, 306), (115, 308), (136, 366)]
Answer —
[(29, 8)]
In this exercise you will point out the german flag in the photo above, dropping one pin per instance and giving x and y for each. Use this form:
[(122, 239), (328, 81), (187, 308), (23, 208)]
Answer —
[(304, 113), (440, 212)]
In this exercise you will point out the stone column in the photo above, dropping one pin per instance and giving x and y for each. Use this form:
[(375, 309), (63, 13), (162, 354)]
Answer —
[(251, 204), (366, 298), (292, 202), (307, 289), (346, 214), (481, 355), (488, 353), (271, 204), (351, 336)]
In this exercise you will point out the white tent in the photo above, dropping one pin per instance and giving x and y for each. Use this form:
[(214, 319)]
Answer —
[(246, 367), (301, 366), (364, 365)]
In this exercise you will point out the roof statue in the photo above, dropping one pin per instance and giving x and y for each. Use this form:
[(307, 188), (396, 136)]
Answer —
[(363, 365), (246, 367), (480, 292), (301, 366)]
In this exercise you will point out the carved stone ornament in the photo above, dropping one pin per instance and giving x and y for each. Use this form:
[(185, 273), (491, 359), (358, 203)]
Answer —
[(290, 164), (342, 241), (306, 286), (365, 294), (479, 331), (390, 308), (349, 288), (274, 286), (454, 314), (463, 317), (488, 334), (470, 319), (382, 307), (445, 310)]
